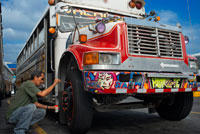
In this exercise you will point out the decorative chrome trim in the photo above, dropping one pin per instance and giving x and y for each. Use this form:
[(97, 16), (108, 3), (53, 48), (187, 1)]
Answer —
[(143, 65)]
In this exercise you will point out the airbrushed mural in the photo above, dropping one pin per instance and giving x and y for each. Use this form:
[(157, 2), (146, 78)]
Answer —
[(109, 82)]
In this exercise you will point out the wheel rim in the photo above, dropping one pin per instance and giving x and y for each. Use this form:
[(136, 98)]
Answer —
[(68, 103)]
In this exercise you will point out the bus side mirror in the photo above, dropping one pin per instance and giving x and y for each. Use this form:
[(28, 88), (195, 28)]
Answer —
[(92, 28)]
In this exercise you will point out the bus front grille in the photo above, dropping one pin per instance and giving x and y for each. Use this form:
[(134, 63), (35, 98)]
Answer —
[(154, 42)]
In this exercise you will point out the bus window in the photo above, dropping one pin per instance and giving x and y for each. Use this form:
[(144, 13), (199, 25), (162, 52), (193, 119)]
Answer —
[(41, 36)]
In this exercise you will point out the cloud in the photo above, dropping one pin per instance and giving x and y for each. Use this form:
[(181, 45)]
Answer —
[(12, 35), (11, 51), (22, 15), (19, 19), (168, 17), (194, 36)]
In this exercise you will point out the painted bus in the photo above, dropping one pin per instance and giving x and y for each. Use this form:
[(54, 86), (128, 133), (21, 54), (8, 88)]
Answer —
[(105, 51)]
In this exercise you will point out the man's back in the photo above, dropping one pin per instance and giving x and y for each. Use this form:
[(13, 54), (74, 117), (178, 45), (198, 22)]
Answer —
[(25, 95)]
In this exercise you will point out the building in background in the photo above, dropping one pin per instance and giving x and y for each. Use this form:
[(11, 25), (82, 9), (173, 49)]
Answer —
[(9, 78), (12, 66)]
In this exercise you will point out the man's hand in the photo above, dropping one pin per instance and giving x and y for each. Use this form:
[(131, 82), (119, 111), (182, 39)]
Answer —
[(49, 89), (39, 105), (52, 107), (56, 81)]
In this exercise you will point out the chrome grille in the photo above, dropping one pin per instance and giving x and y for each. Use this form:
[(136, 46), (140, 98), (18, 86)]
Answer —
[(154, 42)]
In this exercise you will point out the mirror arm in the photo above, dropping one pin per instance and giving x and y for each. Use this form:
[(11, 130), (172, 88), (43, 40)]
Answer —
[(76, 27)]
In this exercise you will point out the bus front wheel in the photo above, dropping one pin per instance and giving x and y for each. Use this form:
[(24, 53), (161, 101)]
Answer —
[(75, 104)]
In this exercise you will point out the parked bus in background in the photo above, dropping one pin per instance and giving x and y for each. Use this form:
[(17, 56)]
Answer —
[(197, 56), (2, 83), (194, 62), (105, 51)]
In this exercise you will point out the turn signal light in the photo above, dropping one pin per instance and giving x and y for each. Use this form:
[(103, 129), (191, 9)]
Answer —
[(91, 58), (52, 30), (51, 2), (82, 38)]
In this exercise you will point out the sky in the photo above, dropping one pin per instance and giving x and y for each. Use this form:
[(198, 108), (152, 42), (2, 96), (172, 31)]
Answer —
[(20, 17)]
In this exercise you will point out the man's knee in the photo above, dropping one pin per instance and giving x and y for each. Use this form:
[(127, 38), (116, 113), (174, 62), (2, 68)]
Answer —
[(41, 112), (32, 107)]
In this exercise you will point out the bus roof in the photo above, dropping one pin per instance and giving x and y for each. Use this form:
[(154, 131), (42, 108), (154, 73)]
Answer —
[(119, 6)]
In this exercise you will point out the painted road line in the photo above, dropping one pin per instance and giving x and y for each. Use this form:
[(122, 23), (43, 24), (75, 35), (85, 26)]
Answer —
[(38, 129), (195, 112), (8, 101)]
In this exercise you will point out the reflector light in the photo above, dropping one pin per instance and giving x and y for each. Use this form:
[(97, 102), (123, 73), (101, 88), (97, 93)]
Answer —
[(132, 4), (82, 38), (186, 39), (52, 30), (100, 27), (51, 2), (158, 18), (138, 5)]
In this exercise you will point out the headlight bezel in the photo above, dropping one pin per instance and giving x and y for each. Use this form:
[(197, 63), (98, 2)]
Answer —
[(105, 58)]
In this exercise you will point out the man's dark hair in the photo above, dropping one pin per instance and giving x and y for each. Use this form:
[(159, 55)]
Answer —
[(36, 73)]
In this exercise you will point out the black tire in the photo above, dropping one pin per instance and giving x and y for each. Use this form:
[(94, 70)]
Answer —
[(176, 109), (78, 112)]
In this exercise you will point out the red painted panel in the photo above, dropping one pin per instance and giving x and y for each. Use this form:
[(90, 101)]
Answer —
[(109, 42), (185, 57)]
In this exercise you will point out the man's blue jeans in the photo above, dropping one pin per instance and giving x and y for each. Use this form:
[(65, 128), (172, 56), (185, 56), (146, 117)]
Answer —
[(25, 116)]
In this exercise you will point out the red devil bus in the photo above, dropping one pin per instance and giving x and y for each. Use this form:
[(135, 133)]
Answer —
[(105, 51)]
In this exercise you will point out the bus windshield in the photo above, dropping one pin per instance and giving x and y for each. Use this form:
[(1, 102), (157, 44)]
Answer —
[(67, 19)]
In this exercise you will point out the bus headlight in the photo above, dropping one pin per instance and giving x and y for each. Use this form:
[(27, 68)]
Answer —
[(109, 58), (92, 58)]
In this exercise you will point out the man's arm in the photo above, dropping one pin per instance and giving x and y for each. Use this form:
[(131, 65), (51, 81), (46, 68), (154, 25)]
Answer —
[(49, 89), (39, 105)]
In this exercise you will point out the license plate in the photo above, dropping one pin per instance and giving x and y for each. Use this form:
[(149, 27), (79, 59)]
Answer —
[(165, 83)]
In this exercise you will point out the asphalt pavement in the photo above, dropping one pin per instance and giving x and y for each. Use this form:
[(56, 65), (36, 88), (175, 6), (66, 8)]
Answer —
[(117, 122)]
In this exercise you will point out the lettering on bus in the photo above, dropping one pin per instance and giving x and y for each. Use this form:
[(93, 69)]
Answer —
[(87, 13)]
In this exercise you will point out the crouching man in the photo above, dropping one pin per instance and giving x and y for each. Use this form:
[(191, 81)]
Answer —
[(24, 109)]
